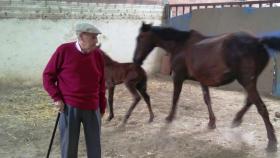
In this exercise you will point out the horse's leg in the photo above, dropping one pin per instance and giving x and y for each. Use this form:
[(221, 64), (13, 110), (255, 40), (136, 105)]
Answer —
[(110, 101), (207, 100), (262, 110), (238, 118), (146, 97), (177, 83), (131, 87)]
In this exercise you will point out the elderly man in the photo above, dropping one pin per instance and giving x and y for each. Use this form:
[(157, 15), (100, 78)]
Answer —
[(74, 78)]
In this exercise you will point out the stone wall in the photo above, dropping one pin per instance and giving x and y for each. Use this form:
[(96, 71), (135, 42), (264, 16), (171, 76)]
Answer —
[(32, 9)]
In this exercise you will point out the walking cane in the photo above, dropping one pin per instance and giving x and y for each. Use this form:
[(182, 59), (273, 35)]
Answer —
[(53, 134)]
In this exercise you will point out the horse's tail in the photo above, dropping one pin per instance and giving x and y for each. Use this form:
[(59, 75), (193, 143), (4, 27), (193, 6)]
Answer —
[(271, 42)]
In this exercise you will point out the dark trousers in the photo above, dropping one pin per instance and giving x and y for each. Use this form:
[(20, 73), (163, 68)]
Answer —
[(69, 125)]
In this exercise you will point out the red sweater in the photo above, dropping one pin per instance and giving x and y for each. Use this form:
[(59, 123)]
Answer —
[(76, 78)]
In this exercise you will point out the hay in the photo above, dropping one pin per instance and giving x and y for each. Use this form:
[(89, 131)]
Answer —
[(27, 118)]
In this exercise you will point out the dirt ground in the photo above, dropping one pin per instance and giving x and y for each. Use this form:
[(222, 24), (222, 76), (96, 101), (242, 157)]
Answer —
[(27, 120)]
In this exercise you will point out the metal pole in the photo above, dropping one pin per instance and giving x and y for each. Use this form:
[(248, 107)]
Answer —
[(53, 134)]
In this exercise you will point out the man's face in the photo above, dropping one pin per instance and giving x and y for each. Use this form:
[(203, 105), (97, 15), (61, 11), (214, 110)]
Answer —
[(88, 41)]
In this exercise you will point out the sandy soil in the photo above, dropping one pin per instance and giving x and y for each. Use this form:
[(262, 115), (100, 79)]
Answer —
[(27, 119)]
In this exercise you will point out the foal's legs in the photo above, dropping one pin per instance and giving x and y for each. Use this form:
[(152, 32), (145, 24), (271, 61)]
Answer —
[(178, 83), (146, 97), (238, 118), (110, 101), (132, 88), (254, 97), (207, 100)]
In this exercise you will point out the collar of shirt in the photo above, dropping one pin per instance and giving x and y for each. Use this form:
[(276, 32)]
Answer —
[(79, 47)]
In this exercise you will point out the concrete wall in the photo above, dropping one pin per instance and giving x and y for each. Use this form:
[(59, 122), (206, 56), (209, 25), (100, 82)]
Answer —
[(258, 21), (254, 20), (30, 34)]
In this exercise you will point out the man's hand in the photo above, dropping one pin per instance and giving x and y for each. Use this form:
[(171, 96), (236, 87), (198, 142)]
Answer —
[(59, 105)]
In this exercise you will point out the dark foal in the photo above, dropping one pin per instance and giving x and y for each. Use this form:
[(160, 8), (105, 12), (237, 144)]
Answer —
[(135, 79), (212, 61)]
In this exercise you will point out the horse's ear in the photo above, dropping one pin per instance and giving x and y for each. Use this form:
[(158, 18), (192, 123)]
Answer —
[(143, 23), (145, 27)]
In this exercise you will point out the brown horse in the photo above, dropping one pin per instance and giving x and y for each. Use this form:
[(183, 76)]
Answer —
[(135, 79), (212, 61)]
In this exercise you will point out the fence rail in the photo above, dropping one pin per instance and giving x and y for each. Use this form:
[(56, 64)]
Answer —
[(172, 10)]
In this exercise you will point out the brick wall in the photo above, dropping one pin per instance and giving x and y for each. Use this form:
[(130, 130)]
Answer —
[(33, 9)]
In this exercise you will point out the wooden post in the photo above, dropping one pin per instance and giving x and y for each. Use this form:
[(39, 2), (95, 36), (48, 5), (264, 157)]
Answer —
[(276, 76)]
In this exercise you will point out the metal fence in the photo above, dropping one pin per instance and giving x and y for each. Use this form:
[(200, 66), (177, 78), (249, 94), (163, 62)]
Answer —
[(172, 10)]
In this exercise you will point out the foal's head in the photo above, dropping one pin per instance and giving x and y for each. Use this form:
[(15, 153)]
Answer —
[(145, 42)]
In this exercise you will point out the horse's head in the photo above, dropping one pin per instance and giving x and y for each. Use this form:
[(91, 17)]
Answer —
[(145, 43)]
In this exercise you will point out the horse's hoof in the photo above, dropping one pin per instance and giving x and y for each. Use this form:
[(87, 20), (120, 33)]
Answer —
[(235, 123), (211, 125), (110, 118), (121, 126), (125, 121), (277, 114), (271, 147), (151, 119), (169, 119)]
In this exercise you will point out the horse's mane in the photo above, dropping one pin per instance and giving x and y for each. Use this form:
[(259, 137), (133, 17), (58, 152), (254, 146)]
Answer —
[(108, 60), (170, 34)]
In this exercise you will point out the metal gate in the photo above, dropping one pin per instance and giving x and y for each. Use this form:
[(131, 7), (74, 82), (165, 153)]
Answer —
[(179, 15)]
